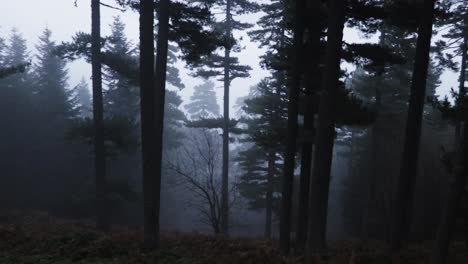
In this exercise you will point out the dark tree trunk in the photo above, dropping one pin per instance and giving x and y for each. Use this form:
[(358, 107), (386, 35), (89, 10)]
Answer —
[(269, 193), (447, 222), (148, 130), (319, 186), (225, 172), (159, 100), (313, 85), (462, 79), (99, 148), (405, 183), (289, 160)]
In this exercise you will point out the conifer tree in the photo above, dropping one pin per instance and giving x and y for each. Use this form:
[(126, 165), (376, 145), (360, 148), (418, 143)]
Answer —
[(203, 102), (83, 96), (121, 98), (228, 68), (51, 84)]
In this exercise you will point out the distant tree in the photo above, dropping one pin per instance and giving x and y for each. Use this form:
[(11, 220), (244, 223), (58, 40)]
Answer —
[(16, 94), (83, 96), (198, 169), (203, 102), (51, 85), (121, 98)]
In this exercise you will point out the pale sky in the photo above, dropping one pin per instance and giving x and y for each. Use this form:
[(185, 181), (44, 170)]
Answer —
[(30, 17)]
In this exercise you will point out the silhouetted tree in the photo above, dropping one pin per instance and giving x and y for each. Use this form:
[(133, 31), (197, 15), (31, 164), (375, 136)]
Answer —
[(403, 203), (319, 186), (98, 113)]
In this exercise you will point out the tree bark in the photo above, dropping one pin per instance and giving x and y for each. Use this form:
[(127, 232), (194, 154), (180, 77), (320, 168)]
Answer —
[(289, 160), (148, 129), (319, 186), (159, 100), (405, 183), (99, 147), (313, 85), (225, 170)]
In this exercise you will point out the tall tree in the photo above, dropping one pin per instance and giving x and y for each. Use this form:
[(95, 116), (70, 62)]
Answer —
[(98, 113), (312, 83), (405, 183), (320, 181), (148, 125), (447, 223), (289, 159), (228, 68), (160, 94)]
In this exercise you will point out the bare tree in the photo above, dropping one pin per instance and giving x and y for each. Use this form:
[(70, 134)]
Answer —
[(197, 164)]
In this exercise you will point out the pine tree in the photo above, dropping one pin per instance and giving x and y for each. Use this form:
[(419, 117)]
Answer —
[(228, 68), (121, 98), (83, 97), (203, 102), (16, 114), (265, 118), (51, 82)]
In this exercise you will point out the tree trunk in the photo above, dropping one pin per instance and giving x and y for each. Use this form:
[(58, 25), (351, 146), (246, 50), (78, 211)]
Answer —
[(462, 77), (405, 185), (159, 100), (227, 82), (447, 222), (319, 187), (313, 85), (99, 148), (269, 193), (289, 160), (148, 129)]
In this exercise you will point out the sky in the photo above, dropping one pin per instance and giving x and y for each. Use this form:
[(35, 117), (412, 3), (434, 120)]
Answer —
[(30, 17)]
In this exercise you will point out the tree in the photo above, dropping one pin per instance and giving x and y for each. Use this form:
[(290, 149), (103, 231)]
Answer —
[(228, 68), (121, 98), (405, 183), (98, 112), (459, 172), (50, 87), (264, 117), (203, 102), (83, 96), (293, 98), (319, 186), (199, 171), (148, 125)]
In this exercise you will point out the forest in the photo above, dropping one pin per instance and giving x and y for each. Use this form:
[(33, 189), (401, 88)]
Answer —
[(341, 138)]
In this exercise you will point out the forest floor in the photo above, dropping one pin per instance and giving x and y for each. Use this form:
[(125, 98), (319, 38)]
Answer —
[(41, 239)]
